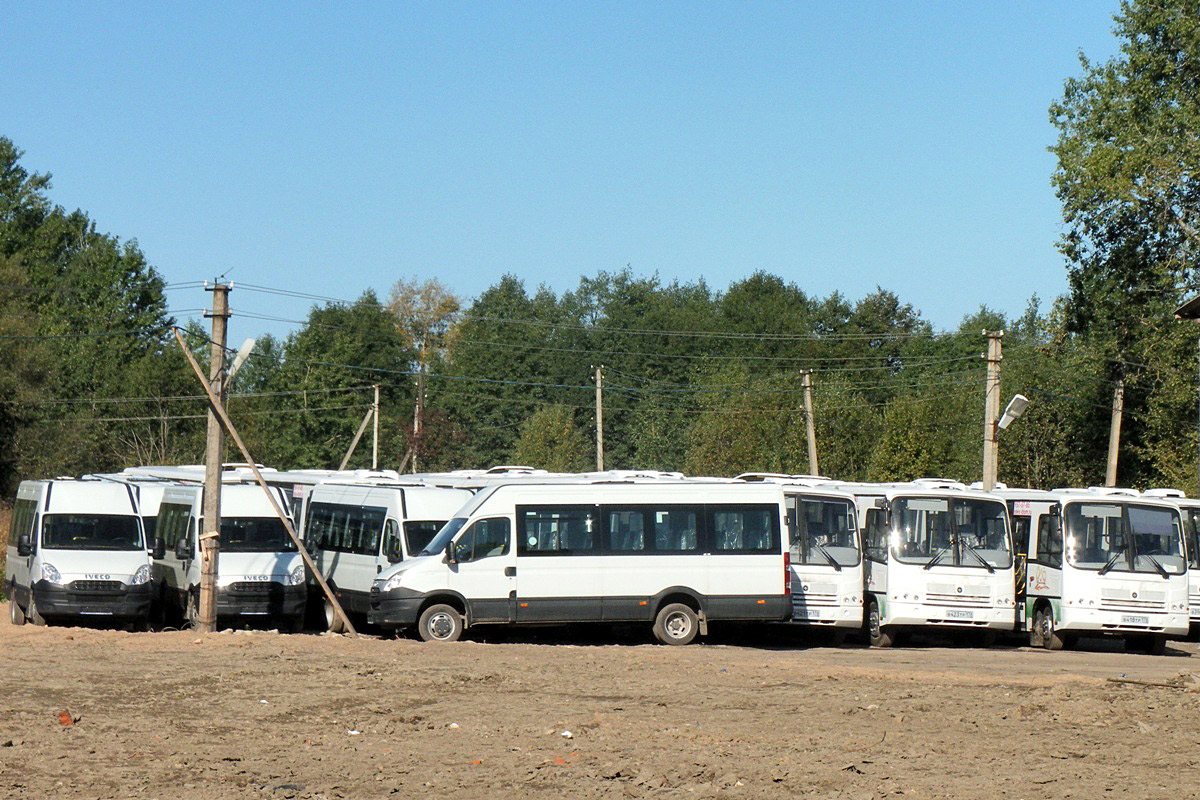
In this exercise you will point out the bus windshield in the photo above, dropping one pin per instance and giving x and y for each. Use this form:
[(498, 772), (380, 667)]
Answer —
[(822, 531), (255, 535), (91, 532), (950, 531), (438, 543), (1126, 537)]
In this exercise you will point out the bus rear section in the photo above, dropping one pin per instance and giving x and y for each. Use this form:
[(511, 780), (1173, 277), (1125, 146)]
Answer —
[(939, 559), (77, 552), (676, 556)]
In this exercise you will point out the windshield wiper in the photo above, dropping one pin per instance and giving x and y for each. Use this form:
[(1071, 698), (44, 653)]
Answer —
[(1158, 566), (936, 558), (833, 562), (1112, 562), (971, 549)]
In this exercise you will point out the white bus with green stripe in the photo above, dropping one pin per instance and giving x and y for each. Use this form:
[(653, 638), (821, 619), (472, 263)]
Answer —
[(1103, 562), (938, 559)]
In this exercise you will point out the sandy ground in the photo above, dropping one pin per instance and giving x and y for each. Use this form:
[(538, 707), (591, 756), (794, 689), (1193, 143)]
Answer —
[(174, 714)]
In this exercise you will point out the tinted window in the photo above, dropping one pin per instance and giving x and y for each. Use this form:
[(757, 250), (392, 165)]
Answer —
[(677, 530), (418, 535), (485, 538), (752, 529), (626, 531), (1050, 541), (557, 530), (877, 534), (172, 522), (255, 535), (345, 529)]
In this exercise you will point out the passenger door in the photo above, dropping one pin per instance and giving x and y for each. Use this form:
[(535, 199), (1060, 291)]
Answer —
[(484, 570)]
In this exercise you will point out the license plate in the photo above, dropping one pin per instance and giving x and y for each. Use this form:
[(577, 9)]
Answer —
[(807, 613), (955, 613), (1128, 620)]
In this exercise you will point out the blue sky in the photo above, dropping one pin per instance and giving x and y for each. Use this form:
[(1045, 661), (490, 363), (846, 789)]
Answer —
[(331, 148)]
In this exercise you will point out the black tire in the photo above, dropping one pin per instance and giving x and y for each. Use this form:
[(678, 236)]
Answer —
[(32, 612), (1156, 644), (987, 638), (676, 623), (191, 608), (333, 623), (1051, 638), (878, 634), (440, 623), (15, 615), (293, 624), (1037, 629)]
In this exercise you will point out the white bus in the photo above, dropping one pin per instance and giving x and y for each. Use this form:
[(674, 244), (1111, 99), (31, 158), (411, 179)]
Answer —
[(1103, 562), (674, 555), (356, 529), (825, 552), (938, 558), (260, 572), (1189, 509), (76, 550)]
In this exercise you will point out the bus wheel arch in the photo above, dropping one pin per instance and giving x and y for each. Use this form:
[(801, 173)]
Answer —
[(1045, 629), (681, 595), (878, 634)]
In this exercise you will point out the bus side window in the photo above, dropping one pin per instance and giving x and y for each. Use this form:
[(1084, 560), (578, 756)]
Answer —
[(876, 534), (1050, 543), (1021, 535)]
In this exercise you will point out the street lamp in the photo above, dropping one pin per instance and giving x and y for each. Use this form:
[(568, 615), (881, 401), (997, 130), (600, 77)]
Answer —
[(1013, 411)]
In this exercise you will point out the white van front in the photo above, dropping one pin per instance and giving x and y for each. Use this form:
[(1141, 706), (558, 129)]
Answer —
[(79, 552)]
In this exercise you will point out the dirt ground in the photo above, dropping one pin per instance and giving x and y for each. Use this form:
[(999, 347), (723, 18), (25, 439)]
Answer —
[(175, 714)]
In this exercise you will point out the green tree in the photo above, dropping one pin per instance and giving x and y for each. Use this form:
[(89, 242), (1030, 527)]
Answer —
[(551, 440)]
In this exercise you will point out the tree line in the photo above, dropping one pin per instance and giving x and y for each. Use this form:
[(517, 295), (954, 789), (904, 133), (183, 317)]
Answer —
[(696, 378)]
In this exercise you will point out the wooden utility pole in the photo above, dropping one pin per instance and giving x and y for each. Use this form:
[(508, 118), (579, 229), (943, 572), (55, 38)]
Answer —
[(418, 413), (810, 423), (214, 458), (600, 418), (216, 403), (1114, 432), (991, 410), (362, 427), (375, 437)]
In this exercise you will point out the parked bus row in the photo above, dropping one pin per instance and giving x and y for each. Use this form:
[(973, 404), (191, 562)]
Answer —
[(439, 553)]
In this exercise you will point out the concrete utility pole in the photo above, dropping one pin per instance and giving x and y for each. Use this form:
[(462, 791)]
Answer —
[(600, 418), (375, 437), (991, 410), (810, 423), (418, 413), (1114, 432), (214, 458)]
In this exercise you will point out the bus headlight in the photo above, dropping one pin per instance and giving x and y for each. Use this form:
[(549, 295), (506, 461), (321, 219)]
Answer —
[(141, 576), (296, 577), (49, 573), (393, 582)]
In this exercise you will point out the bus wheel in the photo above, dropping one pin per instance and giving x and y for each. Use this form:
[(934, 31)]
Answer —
[(191, 608), (676, 624), (1051, 638), (15, 615), (879, 634), (440, 623), (32, 613), (333, 623), (1156, 644)]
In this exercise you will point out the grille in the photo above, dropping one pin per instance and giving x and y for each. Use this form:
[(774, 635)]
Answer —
[(1123, 600), (815, 595), (253, 587), (96, 586)]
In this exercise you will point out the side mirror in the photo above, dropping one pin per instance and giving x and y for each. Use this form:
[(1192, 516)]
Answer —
[(183, 549), (311, 546), (394, 556), (160, 548), (450, 557), (24, 546)]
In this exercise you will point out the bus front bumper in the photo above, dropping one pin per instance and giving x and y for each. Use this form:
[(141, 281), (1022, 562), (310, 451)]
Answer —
[(92, 599), (398, 608), (266, 599)]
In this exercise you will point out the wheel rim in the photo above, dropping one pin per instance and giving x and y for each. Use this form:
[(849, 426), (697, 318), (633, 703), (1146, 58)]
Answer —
[(677, 625), (1047, 626), (330, 615), (440, 625), (873, 621)]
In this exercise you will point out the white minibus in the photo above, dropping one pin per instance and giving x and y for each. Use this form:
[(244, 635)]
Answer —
[(355, 529), (938, 558), (1189, 509), (1103, 562), (260, 573), (76, 550), (825, 553), (675, 555)]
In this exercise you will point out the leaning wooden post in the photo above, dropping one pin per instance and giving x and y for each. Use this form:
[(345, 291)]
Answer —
[(287, 523)]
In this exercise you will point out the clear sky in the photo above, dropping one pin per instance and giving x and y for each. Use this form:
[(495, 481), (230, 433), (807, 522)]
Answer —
[(334, 147)]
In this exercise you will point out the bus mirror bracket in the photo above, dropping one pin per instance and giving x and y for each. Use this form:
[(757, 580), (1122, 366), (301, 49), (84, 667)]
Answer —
[(160, 548), (450, 559)]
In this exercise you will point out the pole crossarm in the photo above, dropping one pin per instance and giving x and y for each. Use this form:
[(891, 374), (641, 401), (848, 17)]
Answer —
[(287, 523)]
